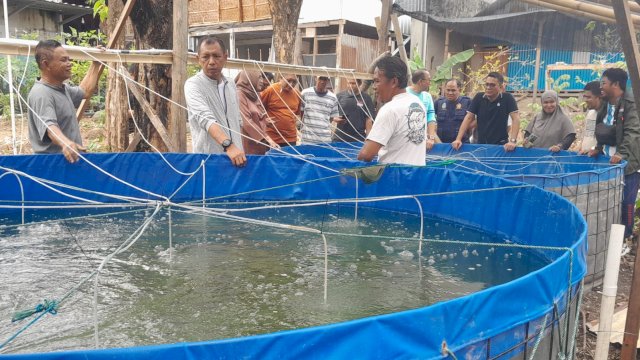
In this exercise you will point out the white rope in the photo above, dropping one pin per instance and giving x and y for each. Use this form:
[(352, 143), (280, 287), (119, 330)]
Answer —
[(366, 199), (50, 183), (21, 190), (122, 248), (116, 71), (326, 267), (87, 160)]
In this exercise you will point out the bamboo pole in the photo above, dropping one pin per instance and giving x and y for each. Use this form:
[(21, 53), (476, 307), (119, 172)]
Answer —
[(21, 47), (10, 80), (569, 10), (600, 10)]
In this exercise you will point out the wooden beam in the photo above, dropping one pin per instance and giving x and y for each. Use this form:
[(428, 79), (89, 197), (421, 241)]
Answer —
[(400, 40), (178, 121), (383, 27), (630, 47), (536, 73), (134, 143), (148, 109), (96, 67)]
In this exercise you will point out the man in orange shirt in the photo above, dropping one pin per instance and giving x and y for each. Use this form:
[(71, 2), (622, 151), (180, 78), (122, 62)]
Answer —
[(282, 102)]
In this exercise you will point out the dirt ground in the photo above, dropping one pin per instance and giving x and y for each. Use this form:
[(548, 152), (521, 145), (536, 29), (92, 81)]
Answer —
[(93, 134), (586, 341)]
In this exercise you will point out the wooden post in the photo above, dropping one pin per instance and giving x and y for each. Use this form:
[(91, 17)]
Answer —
[(446, 44), (148, 109), (178, 121), (336, 84), (232, 44), (383, 29), (630, 339), (536, 73), (115, 35), (400, 40), (630, 47), (315, 48)]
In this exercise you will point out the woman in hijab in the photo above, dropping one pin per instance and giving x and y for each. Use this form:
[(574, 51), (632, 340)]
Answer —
[(551, 128), (254, 118)]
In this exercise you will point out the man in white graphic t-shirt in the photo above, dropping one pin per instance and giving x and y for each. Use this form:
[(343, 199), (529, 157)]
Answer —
[(399, 132)]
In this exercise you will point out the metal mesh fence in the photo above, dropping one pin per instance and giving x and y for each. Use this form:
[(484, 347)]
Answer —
[(598, 196)]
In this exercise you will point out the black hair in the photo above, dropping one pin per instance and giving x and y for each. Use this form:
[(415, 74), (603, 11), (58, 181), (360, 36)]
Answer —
[(593, 87), (497, 76), (418, 75), (617, 75), (209, 40), (44, 50), (457, 81), (269, 76), (394, 67)]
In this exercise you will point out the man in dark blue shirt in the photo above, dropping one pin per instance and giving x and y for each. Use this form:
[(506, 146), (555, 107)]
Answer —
[(491, 109), (450, 112)]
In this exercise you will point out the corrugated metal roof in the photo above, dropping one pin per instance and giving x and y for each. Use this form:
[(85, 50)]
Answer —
[(52, 5), (515, 28)]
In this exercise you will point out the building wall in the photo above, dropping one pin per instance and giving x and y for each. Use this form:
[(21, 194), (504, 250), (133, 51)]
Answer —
[(358, 52), (204, 12), (30, 21)]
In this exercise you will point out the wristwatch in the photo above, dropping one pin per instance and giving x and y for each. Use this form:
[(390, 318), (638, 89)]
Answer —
[(431, 137), (513, 141), (225, 144)]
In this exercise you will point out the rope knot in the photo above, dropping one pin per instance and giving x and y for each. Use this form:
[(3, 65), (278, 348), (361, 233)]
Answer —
[(50, 306)]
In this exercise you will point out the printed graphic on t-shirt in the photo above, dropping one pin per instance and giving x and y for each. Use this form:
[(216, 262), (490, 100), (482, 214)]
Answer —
[(417, 124)]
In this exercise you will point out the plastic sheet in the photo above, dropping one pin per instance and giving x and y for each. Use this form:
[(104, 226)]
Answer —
[(522, 213)]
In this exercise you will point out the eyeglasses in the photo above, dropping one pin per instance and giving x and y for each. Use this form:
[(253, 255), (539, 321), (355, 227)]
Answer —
[(490, 85)]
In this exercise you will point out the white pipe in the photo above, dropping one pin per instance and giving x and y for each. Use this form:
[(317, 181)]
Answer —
[(10, 78), (609, 290)]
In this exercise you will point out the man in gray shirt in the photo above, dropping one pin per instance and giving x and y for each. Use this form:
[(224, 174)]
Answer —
[(214, 115), (53, 125)]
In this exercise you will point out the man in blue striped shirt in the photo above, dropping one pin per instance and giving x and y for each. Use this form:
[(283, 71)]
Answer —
[(319, 108), (421, 82)]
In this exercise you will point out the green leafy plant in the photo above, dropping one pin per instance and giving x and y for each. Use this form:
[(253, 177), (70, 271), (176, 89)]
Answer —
[(79, 68), (416, 62), (100, 9), (25, 72), (444, 71)]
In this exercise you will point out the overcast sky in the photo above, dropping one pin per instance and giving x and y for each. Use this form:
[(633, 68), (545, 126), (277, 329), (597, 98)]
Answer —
[(362, 11)]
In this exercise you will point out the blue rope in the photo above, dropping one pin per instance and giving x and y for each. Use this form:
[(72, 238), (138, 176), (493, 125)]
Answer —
[(48, 307)]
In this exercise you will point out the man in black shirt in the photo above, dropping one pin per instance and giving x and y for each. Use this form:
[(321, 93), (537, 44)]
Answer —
[(358, 111), (491, 109)]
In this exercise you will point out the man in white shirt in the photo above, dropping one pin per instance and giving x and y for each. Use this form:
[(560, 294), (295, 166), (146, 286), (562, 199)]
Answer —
[(399, 131)]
